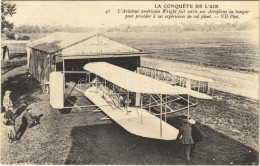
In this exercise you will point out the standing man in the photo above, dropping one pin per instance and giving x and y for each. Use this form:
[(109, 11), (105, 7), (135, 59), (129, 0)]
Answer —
[(186, 139), (196, 136), (7, 102)]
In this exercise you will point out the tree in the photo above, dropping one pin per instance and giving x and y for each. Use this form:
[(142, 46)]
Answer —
[(7, 9)]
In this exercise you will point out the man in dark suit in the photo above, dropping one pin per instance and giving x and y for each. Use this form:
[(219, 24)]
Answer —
[(28, 120), (196, 136), (186, 139), (9, 121)]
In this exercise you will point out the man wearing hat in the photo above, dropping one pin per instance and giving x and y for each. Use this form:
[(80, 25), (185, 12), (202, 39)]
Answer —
[(186, 139), (28, 119), (7, 102), (196, 136)]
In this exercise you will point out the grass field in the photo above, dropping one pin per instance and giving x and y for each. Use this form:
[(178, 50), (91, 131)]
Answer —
[(64, 137), (227, 50)]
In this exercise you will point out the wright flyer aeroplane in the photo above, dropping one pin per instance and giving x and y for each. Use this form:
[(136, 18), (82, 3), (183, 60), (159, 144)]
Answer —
[(110, 77)]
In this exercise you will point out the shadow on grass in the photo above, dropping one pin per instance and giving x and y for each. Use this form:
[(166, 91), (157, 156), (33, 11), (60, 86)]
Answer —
[(65, 111), (22, 88), (111, 144), (24, 125), (17, 55), (20, 110), (16, 60), (21, 130), (69, 102)]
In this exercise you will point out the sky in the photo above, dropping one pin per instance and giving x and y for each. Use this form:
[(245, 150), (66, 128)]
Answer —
[(94, 13)]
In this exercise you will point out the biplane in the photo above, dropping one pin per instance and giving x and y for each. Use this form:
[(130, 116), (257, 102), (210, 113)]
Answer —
[(137, 101)]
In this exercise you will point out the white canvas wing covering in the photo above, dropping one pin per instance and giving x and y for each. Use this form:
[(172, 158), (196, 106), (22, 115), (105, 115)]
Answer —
[(132, 81), (138, 83)]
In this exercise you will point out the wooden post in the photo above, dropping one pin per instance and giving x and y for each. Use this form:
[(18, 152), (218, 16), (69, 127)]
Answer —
[(165, 109), (141, 99), (161, 116), (208, 92), (96, 80), (55, 65), (199, 87), (118, 101), (63, 69), (141, 108), (127, 101), (149, 103), (203, 87), (188, 117)]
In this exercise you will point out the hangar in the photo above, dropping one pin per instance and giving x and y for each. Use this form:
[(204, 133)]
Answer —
[(72, 51)]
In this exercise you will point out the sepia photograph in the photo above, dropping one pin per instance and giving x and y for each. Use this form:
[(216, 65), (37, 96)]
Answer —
[(129, 82)]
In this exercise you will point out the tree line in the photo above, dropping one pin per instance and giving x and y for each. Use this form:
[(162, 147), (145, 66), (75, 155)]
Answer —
[(248, 25), (27, 29)]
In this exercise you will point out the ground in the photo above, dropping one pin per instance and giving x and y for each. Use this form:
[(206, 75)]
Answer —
[(81, 138), (229, 124)]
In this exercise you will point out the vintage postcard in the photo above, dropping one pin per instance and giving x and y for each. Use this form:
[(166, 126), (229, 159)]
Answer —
[(130, 82)]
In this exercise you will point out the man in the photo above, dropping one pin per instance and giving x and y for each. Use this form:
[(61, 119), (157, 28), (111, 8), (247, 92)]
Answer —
[(9, 121), (186, 139), (7, 102), (196, 136), (28, 118)]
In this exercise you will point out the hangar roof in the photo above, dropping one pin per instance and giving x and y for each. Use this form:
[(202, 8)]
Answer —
[(81, 44)]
